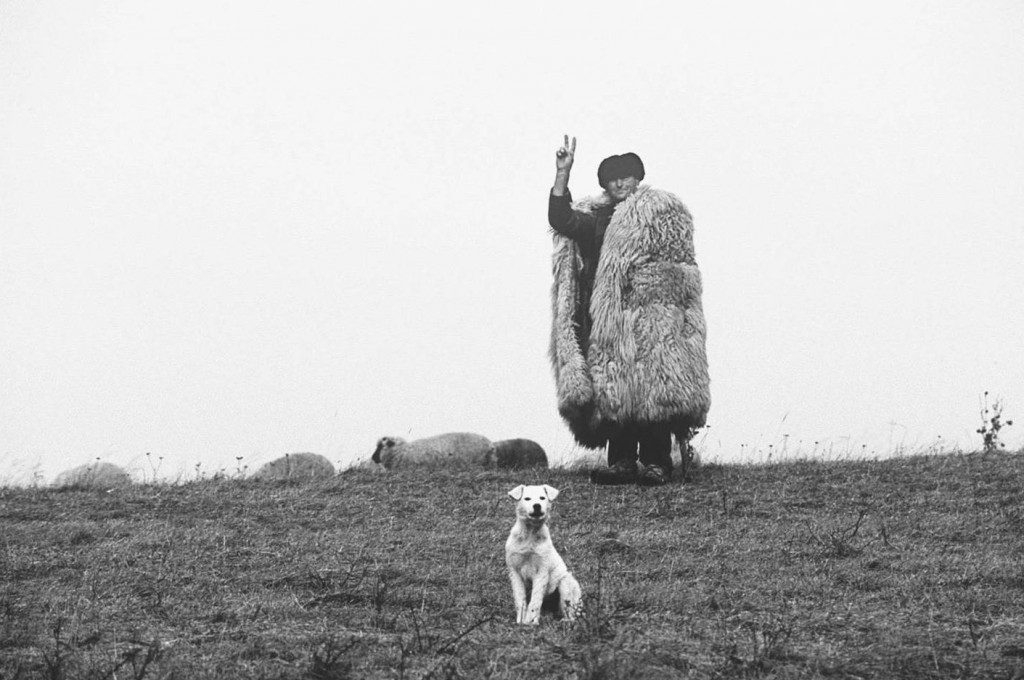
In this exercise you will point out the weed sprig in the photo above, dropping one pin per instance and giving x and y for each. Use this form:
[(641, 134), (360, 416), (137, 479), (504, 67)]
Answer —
[(992, 424)]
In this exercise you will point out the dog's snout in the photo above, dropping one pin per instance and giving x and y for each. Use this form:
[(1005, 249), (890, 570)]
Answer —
[(537, 510)]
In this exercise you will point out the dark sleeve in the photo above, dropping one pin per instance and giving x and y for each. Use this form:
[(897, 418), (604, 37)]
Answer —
[(566, 221)]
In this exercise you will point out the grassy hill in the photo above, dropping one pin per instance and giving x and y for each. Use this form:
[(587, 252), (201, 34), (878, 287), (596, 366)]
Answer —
[(912, 567)]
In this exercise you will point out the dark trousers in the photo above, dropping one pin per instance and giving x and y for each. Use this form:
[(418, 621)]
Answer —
[(653, 442)]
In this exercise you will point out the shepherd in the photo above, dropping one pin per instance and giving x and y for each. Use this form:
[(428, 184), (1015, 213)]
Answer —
[(628, 337)]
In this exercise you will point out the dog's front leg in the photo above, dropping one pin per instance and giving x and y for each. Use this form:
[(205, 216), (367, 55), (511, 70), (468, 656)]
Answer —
[(518, 594), (540, 588)]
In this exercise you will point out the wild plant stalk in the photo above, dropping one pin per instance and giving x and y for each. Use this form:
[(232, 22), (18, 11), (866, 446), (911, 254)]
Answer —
[(154, 468), (991, 424)]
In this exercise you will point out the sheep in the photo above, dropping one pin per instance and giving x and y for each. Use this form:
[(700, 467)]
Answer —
[(516, 454), (98, 475), (297, 466), (450, 449)]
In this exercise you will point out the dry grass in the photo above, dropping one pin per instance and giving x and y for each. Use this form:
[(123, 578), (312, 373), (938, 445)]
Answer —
[(909, 567)]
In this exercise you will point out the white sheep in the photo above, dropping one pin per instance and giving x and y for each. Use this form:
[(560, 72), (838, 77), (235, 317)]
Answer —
[(447, 450), (97, 475), (297, 466)]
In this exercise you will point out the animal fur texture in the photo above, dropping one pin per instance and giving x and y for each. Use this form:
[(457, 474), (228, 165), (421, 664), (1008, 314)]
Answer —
[(449, 450), (647, 360)]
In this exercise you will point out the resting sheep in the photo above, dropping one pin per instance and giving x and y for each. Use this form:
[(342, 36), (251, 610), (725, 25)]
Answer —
[(516, 454), (94, 476), (297, 466), (448, 450)]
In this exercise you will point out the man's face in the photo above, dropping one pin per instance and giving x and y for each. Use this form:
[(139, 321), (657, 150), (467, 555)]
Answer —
[(622, 188)]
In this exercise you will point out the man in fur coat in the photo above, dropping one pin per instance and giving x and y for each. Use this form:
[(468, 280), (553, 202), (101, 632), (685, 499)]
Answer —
[(628, 332)]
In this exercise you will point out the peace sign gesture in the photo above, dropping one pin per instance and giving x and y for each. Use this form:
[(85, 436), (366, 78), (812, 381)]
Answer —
[(565, 155)]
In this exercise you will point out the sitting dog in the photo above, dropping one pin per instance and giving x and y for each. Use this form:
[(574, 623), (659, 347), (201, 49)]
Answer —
[(533, 563)]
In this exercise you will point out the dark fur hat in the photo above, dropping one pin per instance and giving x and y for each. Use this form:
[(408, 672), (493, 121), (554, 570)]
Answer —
[(617, 167)]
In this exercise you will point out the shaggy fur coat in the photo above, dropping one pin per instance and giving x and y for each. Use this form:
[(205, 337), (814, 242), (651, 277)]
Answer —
[(646, 361)]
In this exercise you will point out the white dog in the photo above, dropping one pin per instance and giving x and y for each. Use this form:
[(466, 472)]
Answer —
[(533, 562)]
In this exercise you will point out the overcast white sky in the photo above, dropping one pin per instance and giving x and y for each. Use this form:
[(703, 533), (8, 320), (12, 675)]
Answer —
[(239, 229)]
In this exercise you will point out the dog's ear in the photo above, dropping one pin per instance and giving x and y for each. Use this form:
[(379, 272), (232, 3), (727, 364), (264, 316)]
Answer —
[(551, 491), (517, 492)]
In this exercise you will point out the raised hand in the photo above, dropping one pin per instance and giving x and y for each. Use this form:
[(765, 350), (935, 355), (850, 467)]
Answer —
[(565, 155)]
